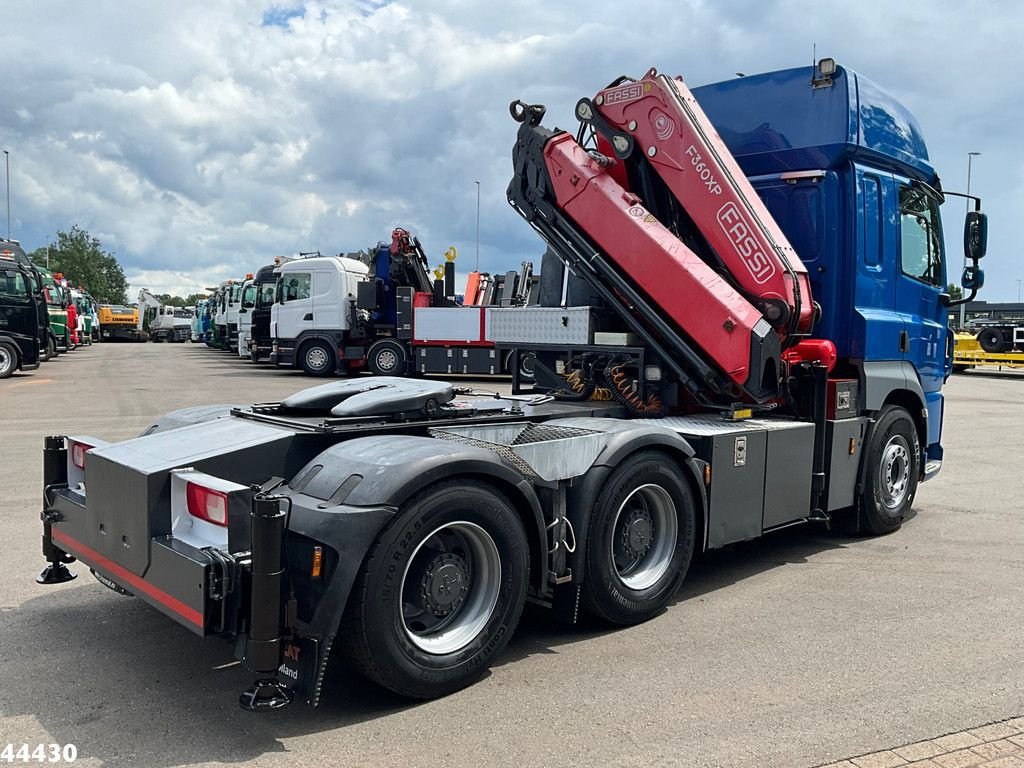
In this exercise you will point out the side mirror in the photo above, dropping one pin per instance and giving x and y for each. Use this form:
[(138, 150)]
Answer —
[(975, 235), (973, 278)]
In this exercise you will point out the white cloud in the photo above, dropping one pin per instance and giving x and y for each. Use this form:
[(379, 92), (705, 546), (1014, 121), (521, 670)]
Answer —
[(192, 138)]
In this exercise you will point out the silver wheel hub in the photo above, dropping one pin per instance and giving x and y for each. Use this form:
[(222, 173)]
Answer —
[(644, 536), (450, 588), (387, 360), (5, 359), (894, 472), (316, 358)]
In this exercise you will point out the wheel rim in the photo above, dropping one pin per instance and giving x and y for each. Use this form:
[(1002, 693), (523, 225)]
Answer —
[(450, 588), (387, 360), (644, 536), (526, 367), (316, 358), (894, 472), (6, 361)]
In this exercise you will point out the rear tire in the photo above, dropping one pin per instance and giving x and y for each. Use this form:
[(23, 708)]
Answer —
[(640, 540), (440, 593), (891, 471), (317, 358), (47, 352), (991, 339), (387, 357), (8, 360)]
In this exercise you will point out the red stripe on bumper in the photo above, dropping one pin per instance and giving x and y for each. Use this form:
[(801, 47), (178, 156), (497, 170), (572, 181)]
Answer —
[(128, 578)]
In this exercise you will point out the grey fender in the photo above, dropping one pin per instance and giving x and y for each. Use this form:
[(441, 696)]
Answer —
[(628, 438), (347, 495), (895, 381)]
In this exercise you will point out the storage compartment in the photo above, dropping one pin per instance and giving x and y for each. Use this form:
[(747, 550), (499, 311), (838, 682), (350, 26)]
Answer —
[(541, 325)]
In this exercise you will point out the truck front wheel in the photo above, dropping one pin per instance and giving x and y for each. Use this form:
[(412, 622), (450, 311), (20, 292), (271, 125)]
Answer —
[(440, 593), (640, 541), (317, 358), (8, 360), (892, 467)]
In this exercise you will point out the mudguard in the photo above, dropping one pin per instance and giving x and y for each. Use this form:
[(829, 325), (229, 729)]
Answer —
[(629, 437), (345, 496)]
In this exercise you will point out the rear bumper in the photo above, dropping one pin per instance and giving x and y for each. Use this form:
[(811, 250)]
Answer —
[(177, 581)]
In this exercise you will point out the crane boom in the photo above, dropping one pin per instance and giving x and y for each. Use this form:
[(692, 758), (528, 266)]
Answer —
[(662, 129)]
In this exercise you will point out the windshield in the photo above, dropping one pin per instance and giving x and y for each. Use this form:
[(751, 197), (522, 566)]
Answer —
[(236, 291), (12, 284), (249, 296), (266, 293)]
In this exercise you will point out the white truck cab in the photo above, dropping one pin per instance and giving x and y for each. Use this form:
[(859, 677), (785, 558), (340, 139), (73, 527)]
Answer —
[(245, 308), (233, 295), (311, 321)]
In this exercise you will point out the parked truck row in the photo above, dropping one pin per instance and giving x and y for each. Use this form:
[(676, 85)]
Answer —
[(41, 315), (757, 274), (393, 316)]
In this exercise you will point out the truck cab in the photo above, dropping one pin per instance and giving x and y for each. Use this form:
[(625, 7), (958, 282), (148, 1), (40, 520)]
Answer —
[(844, 170), (312, 316), (11, 249), (200, 320), (19, 319), (232, 305), (260, 340), (246, 305)]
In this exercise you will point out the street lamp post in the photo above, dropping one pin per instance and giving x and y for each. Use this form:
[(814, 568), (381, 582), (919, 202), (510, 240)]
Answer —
[(478, 226), (970, 158), (7, 163)]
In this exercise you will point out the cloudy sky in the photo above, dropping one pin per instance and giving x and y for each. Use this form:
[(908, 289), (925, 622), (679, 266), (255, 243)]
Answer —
[(197, 140)]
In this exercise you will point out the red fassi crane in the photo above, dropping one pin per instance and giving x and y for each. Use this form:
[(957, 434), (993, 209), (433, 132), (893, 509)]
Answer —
[(660, 214)]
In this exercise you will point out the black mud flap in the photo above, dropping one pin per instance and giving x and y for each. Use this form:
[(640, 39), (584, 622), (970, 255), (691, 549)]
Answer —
[(301, 669)]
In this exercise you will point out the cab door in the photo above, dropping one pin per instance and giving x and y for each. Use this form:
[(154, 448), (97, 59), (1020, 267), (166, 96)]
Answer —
[(18, 317), (327, 300), (295, 311), (919, 287)]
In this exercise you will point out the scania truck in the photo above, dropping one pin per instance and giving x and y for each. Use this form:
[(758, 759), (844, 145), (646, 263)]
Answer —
[(769, 273)]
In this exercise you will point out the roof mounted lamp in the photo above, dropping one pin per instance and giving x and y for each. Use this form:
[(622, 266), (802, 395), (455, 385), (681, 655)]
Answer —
[(823, 73)]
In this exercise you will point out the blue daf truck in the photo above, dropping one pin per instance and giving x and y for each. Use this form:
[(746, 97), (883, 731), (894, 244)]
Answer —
[(770, 345), (843, 168)]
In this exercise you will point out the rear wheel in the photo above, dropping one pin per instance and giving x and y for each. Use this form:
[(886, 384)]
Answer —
[(48, 350), (440, 593), (317, 358), (8, 360), (387, 357), (991, 339), (891, 470), (640, 541)]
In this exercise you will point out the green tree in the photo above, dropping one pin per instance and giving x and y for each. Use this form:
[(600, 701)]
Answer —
[(955, 291), (81, 259)]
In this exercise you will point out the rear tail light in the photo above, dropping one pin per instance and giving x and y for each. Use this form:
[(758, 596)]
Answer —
[(77, 451), (207, 504)]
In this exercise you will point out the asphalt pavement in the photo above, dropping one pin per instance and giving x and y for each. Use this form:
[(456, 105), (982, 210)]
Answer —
[(803, 648)]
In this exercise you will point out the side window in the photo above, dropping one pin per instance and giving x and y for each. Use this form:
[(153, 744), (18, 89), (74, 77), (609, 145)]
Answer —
[(295, 285), (920, 237)]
